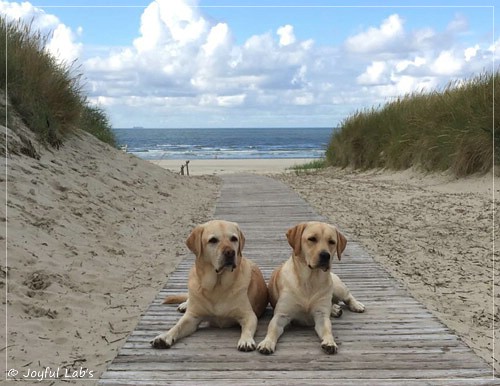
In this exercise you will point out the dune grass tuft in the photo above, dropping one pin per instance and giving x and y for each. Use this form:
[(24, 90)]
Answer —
[(46, 94), (313, 165), (452, 129)]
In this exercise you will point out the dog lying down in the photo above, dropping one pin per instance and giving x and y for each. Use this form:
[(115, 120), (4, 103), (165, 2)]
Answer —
[(224, 287), (304, 290)]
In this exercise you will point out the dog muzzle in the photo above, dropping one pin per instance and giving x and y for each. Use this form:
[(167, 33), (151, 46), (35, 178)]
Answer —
[(228, 261)]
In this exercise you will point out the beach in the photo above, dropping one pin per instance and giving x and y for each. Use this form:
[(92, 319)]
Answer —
[(92, 234), (432, 232), (223, 166)]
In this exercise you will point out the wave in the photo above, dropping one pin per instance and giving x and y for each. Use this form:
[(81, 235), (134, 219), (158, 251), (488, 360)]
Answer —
[(228, 154), (225, 144)]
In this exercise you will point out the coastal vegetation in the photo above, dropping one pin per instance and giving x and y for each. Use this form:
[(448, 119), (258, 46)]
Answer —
[(46, 95), (310, 166), (451, 129)]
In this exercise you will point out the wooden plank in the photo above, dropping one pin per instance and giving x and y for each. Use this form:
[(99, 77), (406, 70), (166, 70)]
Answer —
[(189, 364), (395, 341), (294, 375), (312, 382)]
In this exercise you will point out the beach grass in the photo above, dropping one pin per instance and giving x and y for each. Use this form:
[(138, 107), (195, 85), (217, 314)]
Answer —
[(46, 94), (450, 129), (309, 166)]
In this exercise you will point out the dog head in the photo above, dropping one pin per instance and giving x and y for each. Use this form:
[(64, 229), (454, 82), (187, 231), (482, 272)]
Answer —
[(218, 243), (316, 243)]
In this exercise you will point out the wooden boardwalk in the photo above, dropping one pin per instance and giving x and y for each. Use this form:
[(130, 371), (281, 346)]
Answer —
[(396, 341)]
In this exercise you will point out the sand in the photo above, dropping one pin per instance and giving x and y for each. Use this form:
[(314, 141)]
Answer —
[(93, 234), (223, 166), (434, 233)]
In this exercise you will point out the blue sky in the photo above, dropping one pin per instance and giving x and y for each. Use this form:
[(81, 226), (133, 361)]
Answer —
[(189, 63)]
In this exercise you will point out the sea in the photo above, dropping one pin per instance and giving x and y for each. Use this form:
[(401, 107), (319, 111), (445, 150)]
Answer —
[(225, 143)]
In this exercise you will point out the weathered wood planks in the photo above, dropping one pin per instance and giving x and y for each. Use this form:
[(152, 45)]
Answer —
[(396, 341)]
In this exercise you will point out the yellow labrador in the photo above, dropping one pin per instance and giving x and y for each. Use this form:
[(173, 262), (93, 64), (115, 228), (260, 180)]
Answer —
[(304, 290), (224, 287)]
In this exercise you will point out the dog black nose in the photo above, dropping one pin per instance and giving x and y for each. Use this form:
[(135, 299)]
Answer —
[(229, 253), (324, 257), (229, 258)]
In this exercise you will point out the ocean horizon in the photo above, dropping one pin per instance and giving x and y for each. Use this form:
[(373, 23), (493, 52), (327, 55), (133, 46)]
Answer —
[(224, 143)]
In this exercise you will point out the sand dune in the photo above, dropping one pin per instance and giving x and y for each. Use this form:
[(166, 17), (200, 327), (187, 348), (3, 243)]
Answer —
[(92, 236)]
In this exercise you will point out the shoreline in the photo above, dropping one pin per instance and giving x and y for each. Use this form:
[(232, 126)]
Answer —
[(224, 166)]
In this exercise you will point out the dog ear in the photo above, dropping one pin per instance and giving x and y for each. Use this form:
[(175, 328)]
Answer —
[(341, 243), (193, 241), (241, 243), (294, 236)]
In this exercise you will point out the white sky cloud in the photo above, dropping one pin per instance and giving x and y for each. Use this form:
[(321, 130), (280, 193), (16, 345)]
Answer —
[(218, 39), (494, 49), (184, 67), (286, 35), (374, 39), (374, 74), (471, 52), (27, 12), (447, 63), (62, 42)]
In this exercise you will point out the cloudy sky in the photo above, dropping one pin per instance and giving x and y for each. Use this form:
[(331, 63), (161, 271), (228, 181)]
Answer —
[(228, 63)]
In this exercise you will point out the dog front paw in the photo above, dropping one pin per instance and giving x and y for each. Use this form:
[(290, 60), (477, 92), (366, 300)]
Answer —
[(336, 311), (266, 347), (162, 342), (246, 345), (182, 307), (356, 306), (329, 347)]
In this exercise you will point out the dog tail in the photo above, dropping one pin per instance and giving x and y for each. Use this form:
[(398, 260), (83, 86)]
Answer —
[(175, 299)]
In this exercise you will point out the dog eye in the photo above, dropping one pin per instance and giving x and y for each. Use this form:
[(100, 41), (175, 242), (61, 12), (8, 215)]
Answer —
[(234, 239), (213, 240), (331, 242), (312, 239)]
